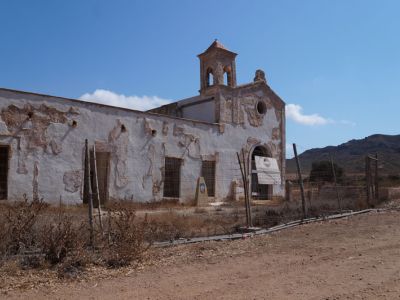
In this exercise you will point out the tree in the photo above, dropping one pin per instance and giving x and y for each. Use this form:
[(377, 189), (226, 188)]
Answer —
[(322, 171)]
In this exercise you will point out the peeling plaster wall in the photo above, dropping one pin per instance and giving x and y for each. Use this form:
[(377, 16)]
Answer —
[(47, 148), (239, 107)]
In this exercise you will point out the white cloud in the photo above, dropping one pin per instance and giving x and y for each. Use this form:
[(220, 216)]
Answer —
[(294, 112), (133, 102), (345, 122)]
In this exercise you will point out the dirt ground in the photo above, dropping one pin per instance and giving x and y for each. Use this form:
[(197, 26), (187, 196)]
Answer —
[(351, 258)]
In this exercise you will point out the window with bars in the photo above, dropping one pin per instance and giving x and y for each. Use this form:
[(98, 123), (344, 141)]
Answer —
[(3, 171), (208, 172), (172, 177)]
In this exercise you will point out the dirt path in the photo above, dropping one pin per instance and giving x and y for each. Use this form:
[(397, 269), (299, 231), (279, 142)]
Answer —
[(354, 258)]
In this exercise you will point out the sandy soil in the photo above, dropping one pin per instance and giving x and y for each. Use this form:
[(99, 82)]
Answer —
[(352, 258)]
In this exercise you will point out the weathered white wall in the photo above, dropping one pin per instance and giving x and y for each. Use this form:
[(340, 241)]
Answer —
[(238, 108), (204, 112), (47, 153)]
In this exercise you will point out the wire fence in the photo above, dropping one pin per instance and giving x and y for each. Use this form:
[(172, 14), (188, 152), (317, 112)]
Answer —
[(332, 185), (329, 187)]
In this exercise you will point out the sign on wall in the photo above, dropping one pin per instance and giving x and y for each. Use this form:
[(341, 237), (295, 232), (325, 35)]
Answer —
[(267, 170)]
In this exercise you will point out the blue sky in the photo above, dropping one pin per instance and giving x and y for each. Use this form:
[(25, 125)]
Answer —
[(337, 63)]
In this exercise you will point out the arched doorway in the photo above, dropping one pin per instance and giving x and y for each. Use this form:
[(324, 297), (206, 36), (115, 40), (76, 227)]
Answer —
[(259, 191)]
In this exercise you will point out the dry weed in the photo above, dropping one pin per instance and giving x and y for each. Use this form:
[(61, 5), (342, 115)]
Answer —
[(18, 233), (124, 240), (61, 237)]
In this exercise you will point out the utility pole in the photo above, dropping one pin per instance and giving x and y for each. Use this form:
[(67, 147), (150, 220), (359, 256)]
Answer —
[(303, 200)]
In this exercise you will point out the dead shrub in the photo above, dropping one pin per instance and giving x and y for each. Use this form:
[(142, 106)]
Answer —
[(267, 218), (125, 238), (31, 262), (71, 268), (17, 226), (60, 238), (10, 267)]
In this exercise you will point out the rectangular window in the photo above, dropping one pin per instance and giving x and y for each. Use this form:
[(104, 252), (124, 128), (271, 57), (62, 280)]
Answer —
[(172, 177), (3, 172), (208, 172)]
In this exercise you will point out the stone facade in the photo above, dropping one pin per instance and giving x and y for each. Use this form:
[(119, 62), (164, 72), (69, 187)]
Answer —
[(44, 138)]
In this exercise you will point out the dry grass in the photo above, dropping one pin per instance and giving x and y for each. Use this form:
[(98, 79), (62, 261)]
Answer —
[(150, 205), (174, 225), (18, 232), (124, 238), (36, 236), (61, 238)]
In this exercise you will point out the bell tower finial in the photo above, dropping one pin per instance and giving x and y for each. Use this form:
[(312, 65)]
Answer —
[(217, 67)]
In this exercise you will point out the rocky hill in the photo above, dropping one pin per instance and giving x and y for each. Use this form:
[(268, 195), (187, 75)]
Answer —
[(351, 155)]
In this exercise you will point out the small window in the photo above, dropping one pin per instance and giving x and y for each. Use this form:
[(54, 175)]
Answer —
[(172, 177), (228, 76), (208, 172), (210, 77), (261, 107)]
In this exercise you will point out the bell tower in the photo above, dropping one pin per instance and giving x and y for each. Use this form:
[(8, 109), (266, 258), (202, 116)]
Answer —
[(217, 67)]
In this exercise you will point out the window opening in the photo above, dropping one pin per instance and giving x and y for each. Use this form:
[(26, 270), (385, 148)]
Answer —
[(261, 107), (208, 172), (172, 177), (228, 76), (210, 77), (3, 172)]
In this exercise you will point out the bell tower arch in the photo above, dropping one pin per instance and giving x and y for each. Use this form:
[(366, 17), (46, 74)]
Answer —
[(217, 67)]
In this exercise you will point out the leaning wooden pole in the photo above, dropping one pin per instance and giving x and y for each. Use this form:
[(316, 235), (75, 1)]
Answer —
[(246, 172), (244, 187), (96, 188), (88, 189), (303, 199)]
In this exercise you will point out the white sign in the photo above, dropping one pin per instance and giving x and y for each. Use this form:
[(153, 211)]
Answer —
[(267, 170)]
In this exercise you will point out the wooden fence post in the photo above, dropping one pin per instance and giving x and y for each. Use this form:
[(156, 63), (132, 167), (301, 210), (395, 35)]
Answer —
[(376, 179), (242, 170), (96, 188), (248, 193), (303, 200), (335, 181), (87, 189)]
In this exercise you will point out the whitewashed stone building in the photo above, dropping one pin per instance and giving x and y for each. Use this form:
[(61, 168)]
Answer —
[(146, 156)]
